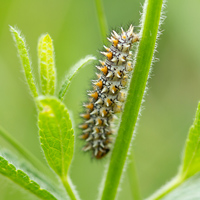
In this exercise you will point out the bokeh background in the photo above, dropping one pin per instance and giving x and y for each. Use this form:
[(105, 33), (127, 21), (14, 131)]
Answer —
[(170, 103)]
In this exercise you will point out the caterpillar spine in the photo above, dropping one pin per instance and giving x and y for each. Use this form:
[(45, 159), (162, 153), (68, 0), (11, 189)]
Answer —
[(108, 94)]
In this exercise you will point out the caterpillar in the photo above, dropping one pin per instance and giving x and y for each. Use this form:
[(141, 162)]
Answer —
[(108, 93)]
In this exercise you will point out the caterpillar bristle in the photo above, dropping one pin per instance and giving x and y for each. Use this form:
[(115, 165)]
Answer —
[(108, 95)]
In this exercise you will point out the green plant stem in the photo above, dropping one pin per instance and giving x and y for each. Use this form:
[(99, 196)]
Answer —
[(144, 56), (133, 179), (102, 19), (68, 188), (175, 182), (24, 152)]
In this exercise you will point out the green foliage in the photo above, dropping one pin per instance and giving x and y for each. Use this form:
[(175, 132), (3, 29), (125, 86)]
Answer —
[(72, 73), (23, 53), (55, 127), (56, 134), (22, 179), (150, 25), (46, 65)]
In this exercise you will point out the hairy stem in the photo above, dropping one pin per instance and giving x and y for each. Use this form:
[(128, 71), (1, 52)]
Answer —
[(144, 57)]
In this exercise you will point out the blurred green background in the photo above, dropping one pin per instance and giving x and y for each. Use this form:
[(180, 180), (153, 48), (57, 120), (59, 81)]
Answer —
[(170, 102)]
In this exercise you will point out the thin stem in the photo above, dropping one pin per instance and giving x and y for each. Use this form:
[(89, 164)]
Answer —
[(68, 188), (24, 152), (102, 19), (72, 73), (166, 189), (144, 56), (133, 179)]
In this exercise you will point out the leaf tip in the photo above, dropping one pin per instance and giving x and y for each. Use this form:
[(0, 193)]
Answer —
[(46, 38), (11, 28), (14, 30)]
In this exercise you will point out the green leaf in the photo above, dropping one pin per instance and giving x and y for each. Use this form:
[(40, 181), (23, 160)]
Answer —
[(72, 73), (57, 138), (191, 159), (23, 53), (21, 178), (46, 65), (143, 60), (56, 134)]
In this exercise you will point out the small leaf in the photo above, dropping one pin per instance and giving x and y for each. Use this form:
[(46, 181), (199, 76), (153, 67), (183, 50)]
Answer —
[(56, 134), (191, 160), (23, 53), (21, 178), (46, 65), (72, 73)]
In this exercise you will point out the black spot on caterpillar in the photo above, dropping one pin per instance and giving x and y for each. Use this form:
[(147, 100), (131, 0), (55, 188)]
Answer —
[(108, 95)]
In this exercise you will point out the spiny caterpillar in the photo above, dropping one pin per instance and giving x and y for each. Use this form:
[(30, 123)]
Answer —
[(108, 96)]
